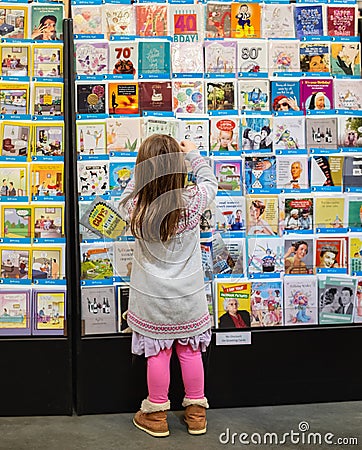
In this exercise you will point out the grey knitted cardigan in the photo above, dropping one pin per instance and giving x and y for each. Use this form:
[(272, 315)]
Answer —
[(167, 297)]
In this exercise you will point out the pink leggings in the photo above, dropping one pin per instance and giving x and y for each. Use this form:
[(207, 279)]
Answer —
[(158, 373)]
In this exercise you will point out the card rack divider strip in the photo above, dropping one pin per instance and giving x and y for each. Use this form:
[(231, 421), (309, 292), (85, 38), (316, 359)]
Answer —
[(73, 269)]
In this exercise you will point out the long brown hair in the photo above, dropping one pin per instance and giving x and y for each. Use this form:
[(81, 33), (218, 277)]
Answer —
[(159, 182)]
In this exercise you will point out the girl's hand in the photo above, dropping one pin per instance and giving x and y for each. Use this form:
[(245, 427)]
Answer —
[(187, 146)]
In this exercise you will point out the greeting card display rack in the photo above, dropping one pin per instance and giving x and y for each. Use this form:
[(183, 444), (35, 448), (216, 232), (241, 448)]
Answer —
[(93, 363), (37, 350), (142, 80)]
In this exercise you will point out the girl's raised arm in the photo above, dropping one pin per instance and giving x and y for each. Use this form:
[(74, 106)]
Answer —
[(200, 196)]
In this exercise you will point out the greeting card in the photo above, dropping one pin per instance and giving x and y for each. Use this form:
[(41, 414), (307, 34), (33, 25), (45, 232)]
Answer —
[(300, 301), (292, 172), (314, 57), (347, 94), (96, 261), (14, 21), (346, 58), (329, 213), (154, 59), (48, 140), (123, 98), (285, 96), (254, 95), (321, 132), (350, 132), (47, 60), (151, 19), (260, 174), (308, 20), (289, 133), (47, 99), (91, 138), (256, 134), (265, 256), (296, 214), (14, 98), (91, 58), (245, 20), (341, 20), (262, 215), (266, 303), (186, 22), (87, 19), (47, 22), (228, 175), (93, 177), (187, 57), (156, 96), (252, 56), (220, 57), (218, 20), (277, 20), (224, 134), (15, 138), (326, 171), (14, 60), (16, 222), (283, 56), (221, 95), (123, 134), (91, 98), (15, 311), (188, 96), (316, 94), (118, 20)]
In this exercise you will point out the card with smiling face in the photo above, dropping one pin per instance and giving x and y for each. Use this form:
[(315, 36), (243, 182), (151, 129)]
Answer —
[(331, 255), (292, 173)]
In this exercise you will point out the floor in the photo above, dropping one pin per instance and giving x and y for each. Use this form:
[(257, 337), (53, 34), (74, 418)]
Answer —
[(115, 431)]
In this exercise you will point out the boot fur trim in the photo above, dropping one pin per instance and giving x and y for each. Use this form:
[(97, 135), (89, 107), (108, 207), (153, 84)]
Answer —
[(191, 401), (149, 407)]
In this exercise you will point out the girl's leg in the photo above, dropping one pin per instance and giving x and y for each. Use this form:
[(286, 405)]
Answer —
[(158, 376), (193, 377), (152, 416), (192, 371)]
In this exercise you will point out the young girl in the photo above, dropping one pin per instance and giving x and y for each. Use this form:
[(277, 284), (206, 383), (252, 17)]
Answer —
[(167, 305)]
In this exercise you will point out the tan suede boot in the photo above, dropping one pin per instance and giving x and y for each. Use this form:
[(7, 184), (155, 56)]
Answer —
[(152, 418), (195, 415)]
